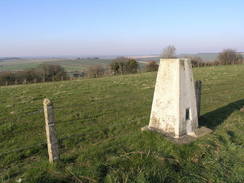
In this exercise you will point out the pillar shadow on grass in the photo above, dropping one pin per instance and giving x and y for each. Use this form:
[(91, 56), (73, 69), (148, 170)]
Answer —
[(214, 118)]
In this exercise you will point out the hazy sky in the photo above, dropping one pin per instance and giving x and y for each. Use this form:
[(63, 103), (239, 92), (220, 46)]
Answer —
[(119, 27)]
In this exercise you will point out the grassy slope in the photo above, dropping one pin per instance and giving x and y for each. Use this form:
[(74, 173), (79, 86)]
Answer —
[(108, 113)]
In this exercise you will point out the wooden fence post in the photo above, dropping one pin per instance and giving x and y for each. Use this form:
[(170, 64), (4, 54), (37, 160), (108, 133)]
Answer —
[(52, 143), (198, 87)]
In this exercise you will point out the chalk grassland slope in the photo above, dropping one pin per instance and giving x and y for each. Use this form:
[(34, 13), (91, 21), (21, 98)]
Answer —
[(98, 127), (69, 64)]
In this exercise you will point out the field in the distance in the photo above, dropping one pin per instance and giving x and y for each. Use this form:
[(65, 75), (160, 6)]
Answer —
[(69, 64), (98, 127), (75, 64)]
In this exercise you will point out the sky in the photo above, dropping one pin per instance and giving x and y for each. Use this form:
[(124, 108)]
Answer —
[(119, 27)]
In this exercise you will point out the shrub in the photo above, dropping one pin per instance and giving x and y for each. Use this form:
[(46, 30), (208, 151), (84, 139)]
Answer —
[(95, 71), (169, 52), (131, 66), (151, 66), (229, 56)]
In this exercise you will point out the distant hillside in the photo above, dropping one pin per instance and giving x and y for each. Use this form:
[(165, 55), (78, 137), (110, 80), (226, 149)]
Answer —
[(79, 64), (204, 56), (5, 59), (17, 64), (207, 57)]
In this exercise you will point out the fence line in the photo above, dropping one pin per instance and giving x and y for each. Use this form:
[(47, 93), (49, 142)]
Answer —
[(70, 136), (76, 119), (79, 105), (208, 92), (59, 139), (57, 109), (39, 110), (22, 148), (73, 120), (41, 126)]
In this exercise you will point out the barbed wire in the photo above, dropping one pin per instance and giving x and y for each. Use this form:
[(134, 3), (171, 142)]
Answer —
[(73, 135), (220, 92), (224, 86), (91, 117), (237, 106), (42, 126), (59, 139), (218, 84), (57, 122), (22, 148)]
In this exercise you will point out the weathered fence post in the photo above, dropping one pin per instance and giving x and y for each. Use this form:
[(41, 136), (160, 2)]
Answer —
[(52, 143), (198, 87)]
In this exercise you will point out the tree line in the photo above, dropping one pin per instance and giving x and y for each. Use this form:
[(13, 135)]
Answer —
[(42, 73), (124, 65), (119, 66), (226, 57)]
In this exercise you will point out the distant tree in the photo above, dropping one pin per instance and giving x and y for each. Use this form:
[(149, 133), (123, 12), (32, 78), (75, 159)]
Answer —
[(229, 56), (7, 78), (49, 72), (118, 65), (44, 72), (95, 71), (25, 76), (169, 52), (131, 66), (151, 66), (122, 65), (114, 68), (196, 61)]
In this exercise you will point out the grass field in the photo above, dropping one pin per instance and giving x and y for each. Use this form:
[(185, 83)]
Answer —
[(98, 127)]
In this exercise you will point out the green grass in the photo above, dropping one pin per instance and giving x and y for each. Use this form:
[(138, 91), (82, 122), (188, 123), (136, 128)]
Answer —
[(104, 117)]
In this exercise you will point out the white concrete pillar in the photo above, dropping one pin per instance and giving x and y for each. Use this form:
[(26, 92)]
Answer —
[(174, 108)]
